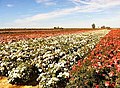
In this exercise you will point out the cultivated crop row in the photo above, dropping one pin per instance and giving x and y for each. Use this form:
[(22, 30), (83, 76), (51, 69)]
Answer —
[(46, 60), (102, 68)]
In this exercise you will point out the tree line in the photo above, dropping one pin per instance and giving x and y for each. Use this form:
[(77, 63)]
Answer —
[(102, 27)]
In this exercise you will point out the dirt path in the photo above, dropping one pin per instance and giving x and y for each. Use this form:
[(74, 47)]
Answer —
[(4, 84)]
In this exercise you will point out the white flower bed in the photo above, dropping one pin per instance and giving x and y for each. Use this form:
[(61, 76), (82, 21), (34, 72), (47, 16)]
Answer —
[(53, 56)]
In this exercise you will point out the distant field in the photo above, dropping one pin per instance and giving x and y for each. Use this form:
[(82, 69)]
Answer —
[(17, 34), (22, 30)]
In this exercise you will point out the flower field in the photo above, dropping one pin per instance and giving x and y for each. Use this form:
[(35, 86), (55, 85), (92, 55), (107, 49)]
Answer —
[(83, 60)]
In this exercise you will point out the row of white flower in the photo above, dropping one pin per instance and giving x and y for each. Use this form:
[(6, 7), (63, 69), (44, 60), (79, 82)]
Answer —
[(53, 56)]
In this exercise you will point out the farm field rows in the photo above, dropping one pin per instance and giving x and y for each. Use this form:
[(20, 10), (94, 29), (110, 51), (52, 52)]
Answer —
[(74, 59)]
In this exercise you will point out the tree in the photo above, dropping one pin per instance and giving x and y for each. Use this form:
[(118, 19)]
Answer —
[(93, 26), (103, 27), (107, 27)]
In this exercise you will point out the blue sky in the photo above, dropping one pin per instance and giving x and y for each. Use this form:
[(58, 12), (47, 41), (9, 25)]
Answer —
[(64, 13)]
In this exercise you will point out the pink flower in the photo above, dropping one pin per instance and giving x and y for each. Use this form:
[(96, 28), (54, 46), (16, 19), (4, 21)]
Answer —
[(72, 78), (115, 60), (111, 73), (107, 83), (103, 74), (118, 68)]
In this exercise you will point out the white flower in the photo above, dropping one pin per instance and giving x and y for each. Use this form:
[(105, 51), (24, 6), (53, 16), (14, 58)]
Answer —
[(66, 74), (60, 74), (43, 64), (43, 78), (55, 79), (40, 70), (57, 50), (15, 75), (49, 82), (42, 74), (16, 70), (60, 64), (37, 65), (62, 53), (6, 46), (2, 64), (19, 59), (51, 65), (65, 69)]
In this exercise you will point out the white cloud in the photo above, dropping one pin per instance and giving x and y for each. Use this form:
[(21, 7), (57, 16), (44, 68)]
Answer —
[(102, 3), (92, 6), (49, 15), (96, 1), (9, 5), (42, 1), (89, 6), (107, 21), (46, 2)]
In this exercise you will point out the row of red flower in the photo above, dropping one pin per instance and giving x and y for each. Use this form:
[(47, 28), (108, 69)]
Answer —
[(106, 56), (102, 67)]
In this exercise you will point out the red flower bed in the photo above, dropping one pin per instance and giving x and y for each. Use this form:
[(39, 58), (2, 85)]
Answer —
[(107, 52), (105, 58), (102, 68)]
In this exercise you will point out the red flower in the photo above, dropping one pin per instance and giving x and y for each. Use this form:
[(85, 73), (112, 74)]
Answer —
[(79, 63), (112, 85), (74, 68)]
